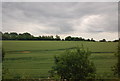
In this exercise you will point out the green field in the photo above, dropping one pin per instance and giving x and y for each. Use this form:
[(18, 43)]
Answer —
[(33, 59)]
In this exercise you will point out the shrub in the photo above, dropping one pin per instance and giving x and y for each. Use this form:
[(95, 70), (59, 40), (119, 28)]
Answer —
[(74, 64), (116, 68)]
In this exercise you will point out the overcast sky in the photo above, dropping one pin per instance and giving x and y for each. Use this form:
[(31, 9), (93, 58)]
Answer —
[(96, 20)]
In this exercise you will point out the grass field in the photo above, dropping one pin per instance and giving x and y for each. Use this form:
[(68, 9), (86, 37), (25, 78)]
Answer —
[(33, 59)]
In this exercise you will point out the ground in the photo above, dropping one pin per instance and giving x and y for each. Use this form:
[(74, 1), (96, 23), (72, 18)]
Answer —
[(33, 59)]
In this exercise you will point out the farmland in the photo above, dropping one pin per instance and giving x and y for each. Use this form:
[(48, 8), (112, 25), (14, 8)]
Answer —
[(33, 59)]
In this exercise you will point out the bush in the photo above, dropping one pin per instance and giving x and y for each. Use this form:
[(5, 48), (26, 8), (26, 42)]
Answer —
[(74, 64), (116, 68)]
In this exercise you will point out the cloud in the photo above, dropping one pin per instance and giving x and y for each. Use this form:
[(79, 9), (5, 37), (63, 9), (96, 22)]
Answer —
[(60, 17)]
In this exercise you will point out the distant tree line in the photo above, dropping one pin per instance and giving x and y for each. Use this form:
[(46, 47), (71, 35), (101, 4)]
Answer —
[(28, 36), (69, 38)]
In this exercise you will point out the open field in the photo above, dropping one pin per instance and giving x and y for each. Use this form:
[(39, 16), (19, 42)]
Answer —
[(33, 59)]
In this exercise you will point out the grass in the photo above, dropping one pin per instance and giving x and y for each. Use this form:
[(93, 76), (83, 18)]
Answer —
[(33, 59)]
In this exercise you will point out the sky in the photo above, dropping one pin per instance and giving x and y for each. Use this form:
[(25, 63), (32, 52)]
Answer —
[(96, 20)]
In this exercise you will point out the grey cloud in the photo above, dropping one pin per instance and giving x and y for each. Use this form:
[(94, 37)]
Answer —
[(57, 18)]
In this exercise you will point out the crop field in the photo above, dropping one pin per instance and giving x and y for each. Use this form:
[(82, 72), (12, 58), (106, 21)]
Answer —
[(33, 59)]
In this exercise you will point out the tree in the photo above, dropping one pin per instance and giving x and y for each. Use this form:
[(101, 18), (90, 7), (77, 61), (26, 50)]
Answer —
[(68, 38), (6, 36), (103, 40), (57, 37), (1, 34), (13, 36), (25, 36), (116, 68), (116, 40), (92, 40), (73, 64)]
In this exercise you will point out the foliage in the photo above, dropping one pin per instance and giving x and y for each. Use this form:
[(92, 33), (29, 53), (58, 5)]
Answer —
[(28, 36), (116, 68), (57, 37), (69, 38), (74, 64), (103, 40)]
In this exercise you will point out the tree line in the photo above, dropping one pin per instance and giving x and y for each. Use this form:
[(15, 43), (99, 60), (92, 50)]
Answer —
[(28, 36)]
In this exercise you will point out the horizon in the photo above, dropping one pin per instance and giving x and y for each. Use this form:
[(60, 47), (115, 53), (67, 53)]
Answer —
[(61, 37)]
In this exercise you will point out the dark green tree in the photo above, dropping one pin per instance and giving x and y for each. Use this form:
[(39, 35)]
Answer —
[(1, 34), (57, 37), (74, 64), (68, 38), (13, 36), (25, 36), (103, 40), (6, 36), (92, 40), (28, 36)]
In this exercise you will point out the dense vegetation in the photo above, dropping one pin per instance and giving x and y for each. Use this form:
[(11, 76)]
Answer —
[(28, 36), (74, 65), (116, 68)]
